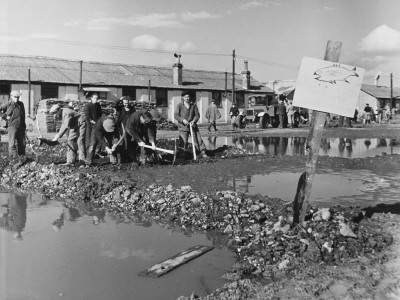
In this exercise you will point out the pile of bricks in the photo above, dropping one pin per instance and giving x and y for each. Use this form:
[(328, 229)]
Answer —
[(52, 122)]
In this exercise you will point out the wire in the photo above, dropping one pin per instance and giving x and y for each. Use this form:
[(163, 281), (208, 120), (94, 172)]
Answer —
[(104, 46), (269, 63)]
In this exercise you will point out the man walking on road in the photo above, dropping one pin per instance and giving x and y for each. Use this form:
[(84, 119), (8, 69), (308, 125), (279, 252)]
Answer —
[(212, 115)]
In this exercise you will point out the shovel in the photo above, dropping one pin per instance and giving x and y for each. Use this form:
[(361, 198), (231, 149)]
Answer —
[(193, 145)]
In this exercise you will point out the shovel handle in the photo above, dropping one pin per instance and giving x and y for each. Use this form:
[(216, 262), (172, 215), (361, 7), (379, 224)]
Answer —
[(160, 149)]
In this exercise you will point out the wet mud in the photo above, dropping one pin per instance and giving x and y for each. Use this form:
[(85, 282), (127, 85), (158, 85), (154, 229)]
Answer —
[(342, 252)]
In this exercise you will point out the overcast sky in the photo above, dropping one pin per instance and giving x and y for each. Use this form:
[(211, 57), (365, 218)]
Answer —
[(273, 35)]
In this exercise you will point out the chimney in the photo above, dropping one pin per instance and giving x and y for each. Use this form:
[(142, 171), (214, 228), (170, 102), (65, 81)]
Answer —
[(246, 76), (177, 70)]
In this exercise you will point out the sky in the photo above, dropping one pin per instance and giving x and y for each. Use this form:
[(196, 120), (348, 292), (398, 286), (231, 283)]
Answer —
[(273, 35)]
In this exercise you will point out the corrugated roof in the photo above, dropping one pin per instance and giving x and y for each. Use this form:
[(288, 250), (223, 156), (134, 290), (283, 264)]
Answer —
[(380, 92), (55, 70)]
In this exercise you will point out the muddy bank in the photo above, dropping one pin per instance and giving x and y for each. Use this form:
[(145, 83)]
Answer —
[(335, 243)]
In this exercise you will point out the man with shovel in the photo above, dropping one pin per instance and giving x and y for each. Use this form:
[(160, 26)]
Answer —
[(187, 114), (70, 122), (142, 131), (105, 130)]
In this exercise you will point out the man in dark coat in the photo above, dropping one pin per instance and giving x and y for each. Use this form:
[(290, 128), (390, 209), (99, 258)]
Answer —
[(124, 113), (141, 131), (14, 113), (187, 114), (92, 111), (104, 130)]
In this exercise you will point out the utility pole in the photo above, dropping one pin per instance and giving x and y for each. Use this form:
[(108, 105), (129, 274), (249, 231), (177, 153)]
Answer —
[(233, 77), (29, 91), (391, 90)]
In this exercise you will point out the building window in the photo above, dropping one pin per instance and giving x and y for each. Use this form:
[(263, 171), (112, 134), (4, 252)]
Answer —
[(129, 91), (217, 96), (49, 91), (162, 97), (239, 100), (5, 89)]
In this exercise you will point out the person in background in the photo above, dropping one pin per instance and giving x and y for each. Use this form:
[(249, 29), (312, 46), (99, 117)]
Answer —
[(14, 113), (92, 111), (212, 115), (281, 110), (187, 114), (368, 114), (290, 113), (379, 114), (141, 131), (234, 113), (355, 117), (104, 129), (388, 112)]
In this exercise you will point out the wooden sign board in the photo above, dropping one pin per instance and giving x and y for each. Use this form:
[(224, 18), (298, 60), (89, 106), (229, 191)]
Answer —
[(328, 86)]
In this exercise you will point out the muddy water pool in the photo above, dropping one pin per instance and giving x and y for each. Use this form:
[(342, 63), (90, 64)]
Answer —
[(346, 188), (334, 147), (49, 251)]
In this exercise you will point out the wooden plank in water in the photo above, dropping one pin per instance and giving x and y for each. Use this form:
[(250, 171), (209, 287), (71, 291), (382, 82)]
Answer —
[(175, 261)]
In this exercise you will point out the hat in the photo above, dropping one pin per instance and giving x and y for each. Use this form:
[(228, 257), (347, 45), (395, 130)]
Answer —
[(367, 104), (54, 108), (109, 125), (15, 94), (125, 98)]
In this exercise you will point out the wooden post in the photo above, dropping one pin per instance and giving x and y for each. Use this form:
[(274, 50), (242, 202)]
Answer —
[(29, 91), (304, 186)]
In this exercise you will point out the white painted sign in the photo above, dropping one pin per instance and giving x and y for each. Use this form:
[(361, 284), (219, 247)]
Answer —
[(328, 86)]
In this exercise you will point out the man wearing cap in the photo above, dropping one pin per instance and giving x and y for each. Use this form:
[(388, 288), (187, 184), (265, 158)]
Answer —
[(212, 115), (92, 111), (104, 130), (14, 113), (70, 122), (187, 114), (141, 131)]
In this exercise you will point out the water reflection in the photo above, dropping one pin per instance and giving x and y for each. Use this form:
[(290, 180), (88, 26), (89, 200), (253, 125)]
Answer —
[(66, 251), (334, 147), (13, 214)]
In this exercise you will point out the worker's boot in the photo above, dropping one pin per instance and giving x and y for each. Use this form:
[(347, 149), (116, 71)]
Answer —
[(203, 154)]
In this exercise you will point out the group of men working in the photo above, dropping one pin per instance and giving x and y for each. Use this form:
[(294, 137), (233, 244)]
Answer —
[(127, 133)]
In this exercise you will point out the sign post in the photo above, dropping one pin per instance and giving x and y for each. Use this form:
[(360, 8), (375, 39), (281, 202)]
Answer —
[(323, 86)]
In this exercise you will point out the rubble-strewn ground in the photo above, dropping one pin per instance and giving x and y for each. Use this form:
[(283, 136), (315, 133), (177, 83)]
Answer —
[(340, 253)]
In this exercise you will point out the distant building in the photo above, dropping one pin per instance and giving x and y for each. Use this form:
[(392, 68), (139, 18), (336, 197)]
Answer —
[(72, 79)]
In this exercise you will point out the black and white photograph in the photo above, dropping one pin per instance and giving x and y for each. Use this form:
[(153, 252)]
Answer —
[(214, 149)]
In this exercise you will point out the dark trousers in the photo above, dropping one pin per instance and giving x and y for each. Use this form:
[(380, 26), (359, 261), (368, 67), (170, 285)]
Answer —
[(95, 142), (184, 137), (16, 135), (212, 124)]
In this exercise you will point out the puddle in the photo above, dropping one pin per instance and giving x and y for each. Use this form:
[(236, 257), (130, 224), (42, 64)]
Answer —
[(334, 147), (49, 251), (346, 188)]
